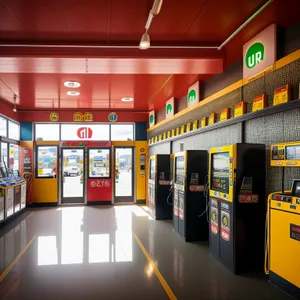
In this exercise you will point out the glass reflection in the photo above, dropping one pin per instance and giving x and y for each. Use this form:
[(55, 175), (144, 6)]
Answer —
[(47, 251)]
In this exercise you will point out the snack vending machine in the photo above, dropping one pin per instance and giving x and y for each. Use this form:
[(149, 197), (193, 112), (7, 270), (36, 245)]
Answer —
[(159, 183), (282, 261), (189, 202), (237, 205)]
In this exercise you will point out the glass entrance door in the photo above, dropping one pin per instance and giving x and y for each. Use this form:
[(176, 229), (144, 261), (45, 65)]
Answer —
[(123, 191), (73, 176)]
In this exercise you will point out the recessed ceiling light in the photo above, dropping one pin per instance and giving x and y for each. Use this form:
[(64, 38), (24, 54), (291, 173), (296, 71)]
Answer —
[(73, 93), (127, 99), (72, 84)]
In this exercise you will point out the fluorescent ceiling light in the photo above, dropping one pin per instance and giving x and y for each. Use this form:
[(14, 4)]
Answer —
[(127, 99), (72, 84), (73, 93)]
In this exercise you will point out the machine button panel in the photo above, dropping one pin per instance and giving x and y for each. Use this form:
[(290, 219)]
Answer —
[(282, 198)]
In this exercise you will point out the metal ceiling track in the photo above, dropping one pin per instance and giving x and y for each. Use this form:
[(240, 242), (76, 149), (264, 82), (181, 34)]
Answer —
[(263, 7)]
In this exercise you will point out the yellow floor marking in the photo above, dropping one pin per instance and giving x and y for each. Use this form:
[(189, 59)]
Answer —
[(28, 216), (158, 274), (12, 264)]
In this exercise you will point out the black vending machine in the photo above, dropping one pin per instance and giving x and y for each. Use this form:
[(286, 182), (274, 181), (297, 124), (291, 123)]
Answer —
[(189, 201), (159, 183), (237, 206)]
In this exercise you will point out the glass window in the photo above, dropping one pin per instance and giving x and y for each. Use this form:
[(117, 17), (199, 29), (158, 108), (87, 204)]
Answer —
[(75, 132), (14, 157), (46, 161), (47, 132), (13, 130), (99, 163), (122, 132), (3, 126)]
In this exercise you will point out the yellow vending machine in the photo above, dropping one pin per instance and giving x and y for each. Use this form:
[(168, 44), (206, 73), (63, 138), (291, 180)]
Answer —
[(282, 260), (237, 205)]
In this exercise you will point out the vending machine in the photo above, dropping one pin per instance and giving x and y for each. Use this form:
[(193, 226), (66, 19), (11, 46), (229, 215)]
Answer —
[(282, 259), (190, 204), (159, 184), (237, 205)]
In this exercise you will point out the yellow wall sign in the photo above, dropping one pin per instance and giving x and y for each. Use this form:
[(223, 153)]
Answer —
[(188, 127), (182, 128), (203, 122), (212, 119), (156, 139), (281, 95), (54, 117), (152, 140), (169, 134), (165, 136), (177, 130), (195, 125), (225, 114), (259, 102), (80, 117), (240, 109)]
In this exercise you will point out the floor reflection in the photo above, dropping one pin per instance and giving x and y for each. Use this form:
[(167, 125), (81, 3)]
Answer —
[(90, 236)]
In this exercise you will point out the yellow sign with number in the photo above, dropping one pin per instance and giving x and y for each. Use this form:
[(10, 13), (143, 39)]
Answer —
[(281, 95)]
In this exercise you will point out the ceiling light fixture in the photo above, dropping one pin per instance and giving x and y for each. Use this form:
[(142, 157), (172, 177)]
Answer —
[(72, 84), (127, 99), (15, 105), (156, 7), (73, 93), (145, 41)]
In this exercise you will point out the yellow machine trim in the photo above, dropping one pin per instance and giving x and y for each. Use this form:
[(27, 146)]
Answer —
[(285, 251), (232, 166), (283, 162)]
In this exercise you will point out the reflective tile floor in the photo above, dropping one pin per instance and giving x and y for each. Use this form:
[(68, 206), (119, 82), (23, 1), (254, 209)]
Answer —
[(114, 252)]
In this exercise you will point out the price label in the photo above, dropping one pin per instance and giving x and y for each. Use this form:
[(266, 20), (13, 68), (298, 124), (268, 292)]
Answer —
[(225, 114), (212, 119), (182, 129), (259, 103), (203, 122), (173, 132), (188, 127), (281, 95), (195, 125), (240, 109)]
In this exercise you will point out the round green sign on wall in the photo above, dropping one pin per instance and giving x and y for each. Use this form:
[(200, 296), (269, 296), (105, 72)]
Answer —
[(191, 96), (169, 109), (254, 55), (151, 119)]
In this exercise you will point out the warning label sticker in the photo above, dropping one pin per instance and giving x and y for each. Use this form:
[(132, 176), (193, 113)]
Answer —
[(225, 225), (295, 232), (214, 220)]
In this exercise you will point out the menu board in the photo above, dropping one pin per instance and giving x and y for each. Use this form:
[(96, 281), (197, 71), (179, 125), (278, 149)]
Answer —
[(240, 109), (281, 95), (220, 172), (225, 114), (259, 103)]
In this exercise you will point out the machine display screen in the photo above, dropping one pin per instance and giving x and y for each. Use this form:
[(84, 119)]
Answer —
[(152, 168), (179, 170), (296, 188), (220, 172), (99, 164), (292, 152)]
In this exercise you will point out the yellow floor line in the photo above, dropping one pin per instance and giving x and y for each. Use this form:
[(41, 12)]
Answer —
[(12, 264), (163, 282), (28, 216)]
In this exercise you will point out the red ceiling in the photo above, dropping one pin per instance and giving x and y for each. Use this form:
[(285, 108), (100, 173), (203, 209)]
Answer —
[(36, 75)]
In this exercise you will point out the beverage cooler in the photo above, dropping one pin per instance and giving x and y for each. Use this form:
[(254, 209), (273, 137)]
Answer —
[(190, 204), (159, 184)]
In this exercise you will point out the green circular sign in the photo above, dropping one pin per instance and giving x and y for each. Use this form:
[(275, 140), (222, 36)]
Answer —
[(151, 119), (254, 55), (169, 109), (191, 96)]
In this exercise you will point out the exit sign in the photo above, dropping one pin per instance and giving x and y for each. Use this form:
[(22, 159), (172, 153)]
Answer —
[(260, 52)]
